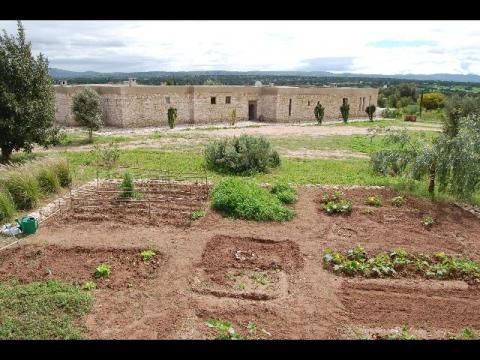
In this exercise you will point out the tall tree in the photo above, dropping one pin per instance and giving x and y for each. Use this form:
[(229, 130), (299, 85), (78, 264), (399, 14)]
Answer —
[(87, 108), (27, 97)]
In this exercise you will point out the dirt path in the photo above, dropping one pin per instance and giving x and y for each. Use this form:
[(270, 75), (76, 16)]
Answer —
[(193, 280)]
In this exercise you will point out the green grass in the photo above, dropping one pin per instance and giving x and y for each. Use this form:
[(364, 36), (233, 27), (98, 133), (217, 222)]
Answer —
[(78, 139), (42, 310), (7, 207), (293, 171)]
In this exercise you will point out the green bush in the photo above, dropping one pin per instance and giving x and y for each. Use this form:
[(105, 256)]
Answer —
[(128, 186), (62, 170), (374, 200), (102, 270), (246, 200), (411, 109), (24, 189), (319, 112), (48, 181), (244, 155), (172, 117), (398, 201), (345, 111), (7, 207), (391, 113), (335, 203), (284, 192)]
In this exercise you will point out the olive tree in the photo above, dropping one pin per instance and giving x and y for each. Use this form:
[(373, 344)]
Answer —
[(27, 97), (87, 109), (370, 110), (345, 111)]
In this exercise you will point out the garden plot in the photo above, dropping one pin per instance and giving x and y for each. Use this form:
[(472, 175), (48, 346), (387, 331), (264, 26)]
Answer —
[(158, 202), (77, 265), (246, 268)]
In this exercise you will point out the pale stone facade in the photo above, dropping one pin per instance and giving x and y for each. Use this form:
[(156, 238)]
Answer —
[(141, 106)]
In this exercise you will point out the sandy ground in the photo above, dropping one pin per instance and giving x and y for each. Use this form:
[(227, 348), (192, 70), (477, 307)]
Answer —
[(199, 270)]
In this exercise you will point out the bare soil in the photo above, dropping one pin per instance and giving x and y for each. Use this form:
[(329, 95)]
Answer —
[(286, 292)]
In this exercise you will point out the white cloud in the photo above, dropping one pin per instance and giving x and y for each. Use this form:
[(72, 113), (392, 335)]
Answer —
[(451, 46)]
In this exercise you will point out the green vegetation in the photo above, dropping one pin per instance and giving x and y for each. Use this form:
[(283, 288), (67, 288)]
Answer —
[(89, 285), (374, 200), (7, 207), (243, 155), (427, 221), (172, 117), (319, 112), (147, 255), (197, 214), (467, 334), (42, 310), (260, 278), (345, 111), (284, 192), (102, 270), (86, 107), (433, 100), (403, 334), (335, 203), (24, 189), (233, 117), (48, 181), (62, 169), (128, 186), (398, 201), (400, 263), (245, 199), (27, 97), (224, 329), (370, 110)]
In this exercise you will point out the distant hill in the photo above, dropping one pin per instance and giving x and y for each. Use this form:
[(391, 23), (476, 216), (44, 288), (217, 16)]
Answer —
[(60, 74)]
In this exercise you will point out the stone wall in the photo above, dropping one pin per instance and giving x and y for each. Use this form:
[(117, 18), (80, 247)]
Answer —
[(140, 106)]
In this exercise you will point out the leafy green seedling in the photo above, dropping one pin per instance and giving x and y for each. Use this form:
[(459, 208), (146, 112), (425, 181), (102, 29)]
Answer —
[(147, 255), (427, 221), (89, 285), (102, 271), (373, 201), (224, 328), (398, 201), (197, 214)]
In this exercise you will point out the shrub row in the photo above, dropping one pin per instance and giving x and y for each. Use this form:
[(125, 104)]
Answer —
[(400, 263), (245, 199), (21, 188)]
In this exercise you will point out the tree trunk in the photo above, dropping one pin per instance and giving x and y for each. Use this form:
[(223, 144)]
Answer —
[(431, 185), (6, 153)]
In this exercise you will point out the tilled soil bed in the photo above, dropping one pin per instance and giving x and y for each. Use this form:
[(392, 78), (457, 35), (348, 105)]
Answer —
[(266, 279)]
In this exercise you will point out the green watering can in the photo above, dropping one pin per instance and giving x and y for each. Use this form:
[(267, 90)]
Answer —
[(28, 224)]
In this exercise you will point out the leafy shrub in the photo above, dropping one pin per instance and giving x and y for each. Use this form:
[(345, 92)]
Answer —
[(319, 112), (172, 117), (197, 214), (7, 207), (391, 113), (87, 108), (48, 181), (284, 192), (370, 110), (244, 155), (24, 189), (89, 285), (233, 117), (398, 201), (401, 263), (345, 111), (147, 255), (224, 328), (373, 201), (128, 186), (335, 203), (62, 170), (106, 156), (427, 221), (246, 200), (102, 271), (411, 110)]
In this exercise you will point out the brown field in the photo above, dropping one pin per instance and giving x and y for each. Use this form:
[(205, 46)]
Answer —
[(245, 271)]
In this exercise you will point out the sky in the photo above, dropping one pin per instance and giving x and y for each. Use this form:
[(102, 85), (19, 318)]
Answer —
[(370, 47)]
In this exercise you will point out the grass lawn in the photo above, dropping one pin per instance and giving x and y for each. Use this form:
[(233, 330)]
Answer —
[(295, 171), (41, 310)]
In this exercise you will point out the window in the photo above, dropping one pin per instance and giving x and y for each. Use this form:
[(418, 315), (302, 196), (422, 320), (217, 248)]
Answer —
[(228, 100), (308, 104), (213, 100), (359, 104), (345, 101), (290, 107), (363, 104), (167, 99)]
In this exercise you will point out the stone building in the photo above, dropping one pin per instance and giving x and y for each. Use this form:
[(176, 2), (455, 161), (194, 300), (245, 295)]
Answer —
[(141, 106)]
